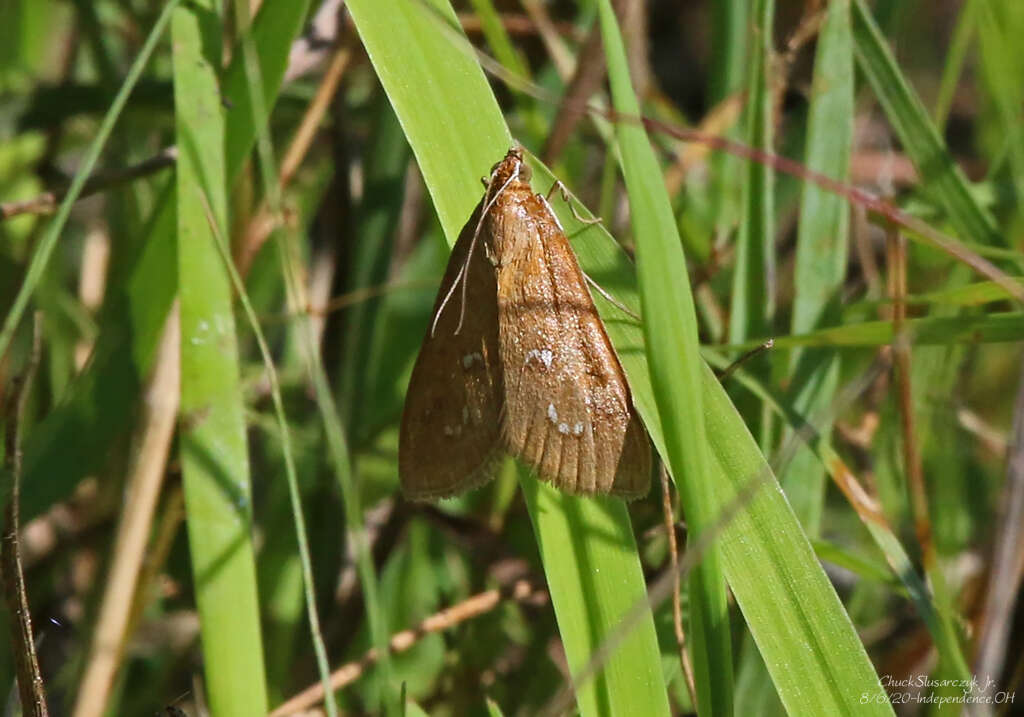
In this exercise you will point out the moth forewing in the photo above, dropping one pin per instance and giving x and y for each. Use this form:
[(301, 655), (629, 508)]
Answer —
[(551, 379), (451, 422), (567, 403)]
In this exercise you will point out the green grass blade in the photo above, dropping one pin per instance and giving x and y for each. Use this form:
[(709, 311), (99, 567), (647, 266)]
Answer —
[(493, 709), (388, 159), (813, 654), (956, 55), (864, 567), (430, 82), (937, 619), (933, 331), (353, 513), (753, 288), (821, 247), (730, 25), (1002, 62), (498, 39), (426, 96), (947, 187), (273, 29), (355, 534), (291, 475), (976, 294), (810, 648), (590, 602), (944, 181), (215, 464), (670, 332)]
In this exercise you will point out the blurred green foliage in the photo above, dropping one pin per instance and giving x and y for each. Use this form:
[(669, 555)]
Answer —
[(918, 102)]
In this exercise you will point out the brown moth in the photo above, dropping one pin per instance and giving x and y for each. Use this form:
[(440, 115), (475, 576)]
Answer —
[(517, 361)]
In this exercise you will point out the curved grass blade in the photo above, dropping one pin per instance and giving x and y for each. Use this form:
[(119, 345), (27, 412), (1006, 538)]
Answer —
[(946, 183), (672, 348), (768, 562), (812, 651), (940, 624), (430, 83)]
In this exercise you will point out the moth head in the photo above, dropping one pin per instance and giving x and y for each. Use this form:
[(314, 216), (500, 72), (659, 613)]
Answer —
[(511, 166)]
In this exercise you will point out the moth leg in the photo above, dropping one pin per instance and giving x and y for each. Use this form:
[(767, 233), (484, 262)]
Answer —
[(611, 299), (551, 211), (566, 198), (731, 368)]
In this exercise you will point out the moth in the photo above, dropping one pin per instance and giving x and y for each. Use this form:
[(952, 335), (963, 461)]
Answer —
[(517, 362)]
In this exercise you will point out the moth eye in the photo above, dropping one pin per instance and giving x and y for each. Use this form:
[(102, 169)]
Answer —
[(496, 165)]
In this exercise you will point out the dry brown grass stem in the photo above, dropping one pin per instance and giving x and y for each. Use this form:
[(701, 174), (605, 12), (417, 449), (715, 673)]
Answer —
[(143, 490), (520, 591)]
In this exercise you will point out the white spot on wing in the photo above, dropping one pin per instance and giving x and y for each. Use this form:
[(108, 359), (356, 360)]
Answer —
[(577, 429), (563, 428), (552, 413), (545, 356)]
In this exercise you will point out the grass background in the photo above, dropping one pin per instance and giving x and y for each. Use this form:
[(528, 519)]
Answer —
[(848, 497)]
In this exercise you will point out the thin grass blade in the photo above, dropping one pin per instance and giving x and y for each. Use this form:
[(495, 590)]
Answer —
[(214, 454)]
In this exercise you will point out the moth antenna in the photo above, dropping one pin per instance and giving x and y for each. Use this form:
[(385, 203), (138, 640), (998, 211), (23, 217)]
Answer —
[(460, 277), (476, 234), (444, 302), (566, 197), (612, 300)]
